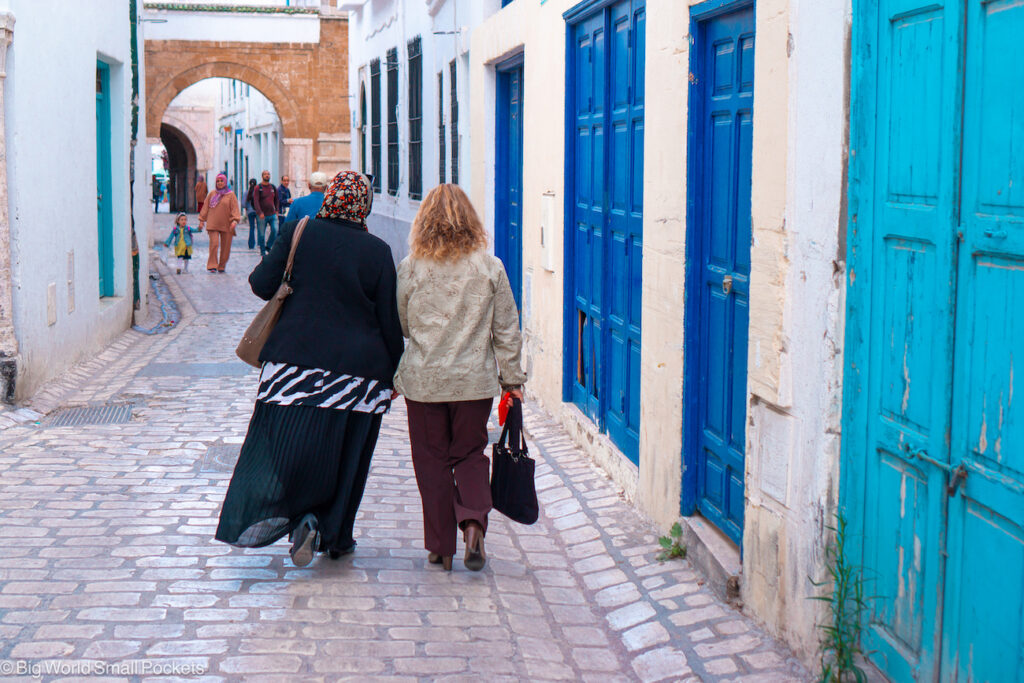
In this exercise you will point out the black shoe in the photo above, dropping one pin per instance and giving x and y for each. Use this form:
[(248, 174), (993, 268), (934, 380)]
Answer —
[(306, 538), (335, 554)]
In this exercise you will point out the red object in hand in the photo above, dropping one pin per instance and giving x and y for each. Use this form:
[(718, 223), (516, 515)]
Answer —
[(503, 406)]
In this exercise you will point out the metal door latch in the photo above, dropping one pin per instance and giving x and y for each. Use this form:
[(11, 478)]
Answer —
[(727, 284), (957, 476)]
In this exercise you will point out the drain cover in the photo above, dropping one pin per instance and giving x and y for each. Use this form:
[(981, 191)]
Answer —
[(108, 414), (221, 457)]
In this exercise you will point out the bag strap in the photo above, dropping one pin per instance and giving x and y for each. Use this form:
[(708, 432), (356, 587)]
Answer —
[(514, 426), (296, 236)]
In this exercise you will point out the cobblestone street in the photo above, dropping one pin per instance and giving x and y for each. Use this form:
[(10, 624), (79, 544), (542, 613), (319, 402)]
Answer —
[(108, 563)]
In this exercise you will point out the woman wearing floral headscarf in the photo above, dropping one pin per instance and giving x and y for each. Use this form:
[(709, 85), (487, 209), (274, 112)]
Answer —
[(325, 384)]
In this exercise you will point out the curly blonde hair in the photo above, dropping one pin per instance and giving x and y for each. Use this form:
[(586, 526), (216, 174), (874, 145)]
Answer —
[(446, 227)]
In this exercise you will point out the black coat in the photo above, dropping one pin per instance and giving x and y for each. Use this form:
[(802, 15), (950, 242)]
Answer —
[(342, 314)]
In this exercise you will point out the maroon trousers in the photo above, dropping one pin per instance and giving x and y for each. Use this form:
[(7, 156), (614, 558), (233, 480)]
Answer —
[(452, 472)]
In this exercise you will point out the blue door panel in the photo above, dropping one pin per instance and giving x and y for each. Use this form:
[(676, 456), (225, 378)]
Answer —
[(603, 369), (508, 230), (983, 628), (720, 183), (104, 184)]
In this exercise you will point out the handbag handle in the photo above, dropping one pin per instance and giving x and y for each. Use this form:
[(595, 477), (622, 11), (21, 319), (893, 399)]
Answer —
[(296, 236), (514, 425)]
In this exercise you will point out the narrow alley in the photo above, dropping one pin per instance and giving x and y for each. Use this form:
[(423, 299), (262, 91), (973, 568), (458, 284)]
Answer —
[(109, 566)]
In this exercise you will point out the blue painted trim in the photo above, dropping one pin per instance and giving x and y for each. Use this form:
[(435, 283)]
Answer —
[(713, 8), (515, 61), (691, 298), (568, 180), (585, 10)]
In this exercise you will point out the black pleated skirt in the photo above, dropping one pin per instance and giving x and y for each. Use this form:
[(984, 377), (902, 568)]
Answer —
[(296, 460)]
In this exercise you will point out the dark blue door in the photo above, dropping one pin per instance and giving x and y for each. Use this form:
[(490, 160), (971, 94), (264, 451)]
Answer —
[(719, 252), (604, 226), (508, 204)]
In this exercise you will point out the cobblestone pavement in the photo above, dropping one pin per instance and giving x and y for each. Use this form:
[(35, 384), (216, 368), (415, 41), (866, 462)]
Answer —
[(108, 563)]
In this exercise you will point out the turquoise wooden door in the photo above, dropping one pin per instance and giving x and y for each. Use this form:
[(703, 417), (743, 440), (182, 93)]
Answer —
[(935, 255), (104, 216), (983, 633)]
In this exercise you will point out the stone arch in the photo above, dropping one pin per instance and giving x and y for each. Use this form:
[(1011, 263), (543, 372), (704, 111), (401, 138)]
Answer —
[(181, 168), (292, 126), (204, 161)]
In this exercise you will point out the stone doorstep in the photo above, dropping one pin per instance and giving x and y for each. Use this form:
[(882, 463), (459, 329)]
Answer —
[(714, 556)]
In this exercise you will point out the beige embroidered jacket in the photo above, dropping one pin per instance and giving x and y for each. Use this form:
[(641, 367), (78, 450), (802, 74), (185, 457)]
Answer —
[(463, 330)]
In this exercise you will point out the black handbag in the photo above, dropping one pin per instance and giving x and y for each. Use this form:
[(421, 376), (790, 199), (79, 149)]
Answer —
[(513, 492)]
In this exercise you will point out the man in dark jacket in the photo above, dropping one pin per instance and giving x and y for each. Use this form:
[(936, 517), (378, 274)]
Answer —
[(267, 205)]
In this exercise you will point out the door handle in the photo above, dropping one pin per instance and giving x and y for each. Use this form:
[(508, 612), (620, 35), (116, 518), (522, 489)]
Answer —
[(995, 233), (726, 284)]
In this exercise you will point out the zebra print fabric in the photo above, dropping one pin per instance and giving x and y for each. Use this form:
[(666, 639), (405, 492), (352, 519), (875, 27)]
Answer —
[(291, 385)]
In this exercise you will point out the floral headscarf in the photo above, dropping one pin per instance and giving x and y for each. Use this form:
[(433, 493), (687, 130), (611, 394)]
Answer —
[(217, 194), (349, 197)]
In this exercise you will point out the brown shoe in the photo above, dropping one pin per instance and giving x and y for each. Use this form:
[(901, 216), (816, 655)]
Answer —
[(443, 560), (476, 558)]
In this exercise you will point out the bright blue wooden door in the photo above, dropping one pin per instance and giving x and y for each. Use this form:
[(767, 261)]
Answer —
[(508, 210), (605, 222), (104, 218), (720, 184), (983, 632), (932, 441)]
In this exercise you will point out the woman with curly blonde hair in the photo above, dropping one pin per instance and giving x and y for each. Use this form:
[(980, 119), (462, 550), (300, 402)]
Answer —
[(456, 307)]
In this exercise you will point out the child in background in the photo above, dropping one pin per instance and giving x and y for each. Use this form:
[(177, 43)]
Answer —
[(181, 236)]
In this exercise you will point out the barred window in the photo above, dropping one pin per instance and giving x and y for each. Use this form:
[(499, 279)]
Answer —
[(415, 119), (375, 122), (441, 159), (392, 70), (453, 67)]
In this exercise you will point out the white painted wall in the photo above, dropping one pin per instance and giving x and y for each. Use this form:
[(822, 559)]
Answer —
[(444, 28), (217, 26), (51, 155)]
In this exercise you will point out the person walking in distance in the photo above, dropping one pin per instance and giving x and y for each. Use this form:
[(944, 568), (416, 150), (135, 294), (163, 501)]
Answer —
[(219, 216), (267, 206), (457, 309), (284, 199), (310, 204), (250, 210), (325, 383), (201, 191)]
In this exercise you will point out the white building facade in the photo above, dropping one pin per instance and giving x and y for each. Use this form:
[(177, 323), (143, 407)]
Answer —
[(248, 135), (408, 73), (66, 231)]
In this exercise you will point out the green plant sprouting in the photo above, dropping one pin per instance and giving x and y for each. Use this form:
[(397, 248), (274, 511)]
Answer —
[(847, 609), (672, 547)]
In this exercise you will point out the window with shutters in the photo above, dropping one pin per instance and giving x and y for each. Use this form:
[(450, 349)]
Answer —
[(441, 159), (415, 119), (362, 128), (375, 123), (392, 69), (453, 67)]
